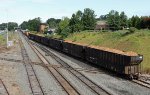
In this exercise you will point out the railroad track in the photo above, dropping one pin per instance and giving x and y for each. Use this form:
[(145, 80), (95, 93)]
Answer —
[(3, 89), (70, 90), (11, 60), (142, 83), (92, 86), (32, 78)]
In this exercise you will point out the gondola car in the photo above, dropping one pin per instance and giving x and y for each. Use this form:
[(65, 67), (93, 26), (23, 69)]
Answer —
[(74, 49), (121, 63), (114, 60)]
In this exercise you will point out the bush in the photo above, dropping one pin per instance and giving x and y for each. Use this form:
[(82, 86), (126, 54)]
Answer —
[(132, 29), (65, 32), (104, 30), (74, 39)]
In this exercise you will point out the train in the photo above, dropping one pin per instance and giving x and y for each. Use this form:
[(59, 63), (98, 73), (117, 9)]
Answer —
[(123, 63)]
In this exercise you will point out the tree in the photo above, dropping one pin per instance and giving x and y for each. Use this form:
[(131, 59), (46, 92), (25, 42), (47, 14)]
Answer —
[(117, 21), (88, 19), (3, 26), (75, 23), (64, 23), (123, 20), (103, 17), (136, 22), (24, 25), (32, 25), (147, 22), (63, 27), (113, 19), (11, 26), (53, 23)]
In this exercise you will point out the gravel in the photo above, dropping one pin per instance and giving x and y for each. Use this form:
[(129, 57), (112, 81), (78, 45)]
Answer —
[(48, 82), (81, 88), (49, 58), (117, 85), (14, 79), (32, 55)]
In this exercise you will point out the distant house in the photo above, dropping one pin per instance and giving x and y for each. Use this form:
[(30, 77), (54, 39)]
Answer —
[(101, 25), (42, 27), (50, 31)]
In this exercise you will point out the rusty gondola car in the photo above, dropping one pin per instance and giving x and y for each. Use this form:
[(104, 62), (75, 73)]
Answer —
[(126, 64), (74, 49), (114, 60)]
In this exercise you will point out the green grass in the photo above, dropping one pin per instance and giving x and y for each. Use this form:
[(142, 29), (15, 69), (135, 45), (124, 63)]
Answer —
[(137, 42), (2, 40), (11, 36)]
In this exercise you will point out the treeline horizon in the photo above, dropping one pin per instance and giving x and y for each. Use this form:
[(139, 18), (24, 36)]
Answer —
[(86, 20)]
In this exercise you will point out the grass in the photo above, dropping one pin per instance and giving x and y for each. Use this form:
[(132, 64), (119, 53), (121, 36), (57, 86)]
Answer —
[(2, 40), (139, 42), (11, 36)]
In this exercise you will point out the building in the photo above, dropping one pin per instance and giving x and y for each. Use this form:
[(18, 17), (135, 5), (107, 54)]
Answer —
[(101, 25), (43, 27), (50, 31)]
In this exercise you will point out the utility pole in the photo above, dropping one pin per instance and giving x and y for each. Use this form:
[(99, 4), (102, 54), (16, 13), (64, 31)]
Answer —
[(7, 35)]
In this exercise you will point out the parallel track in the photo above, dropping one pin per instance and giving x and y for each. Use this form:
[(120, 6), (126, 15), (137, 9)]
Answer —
[(94, 87), (70, 90), (142, 83), (11, 60), (32, 78)]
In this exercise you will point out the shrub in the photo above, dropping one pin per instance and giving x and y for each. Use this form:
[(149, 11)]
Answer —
[(65, 32), (74, 39), (84, 36), (104, 30), (132, 29)]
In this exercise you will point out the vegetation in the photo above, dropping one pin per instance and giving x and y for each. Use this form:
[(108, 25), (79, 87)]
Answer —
[(53, 23), (32, 25), (2, 40), (137, 42), (116, 21), (11, 36), (86, 20), (10, 25)]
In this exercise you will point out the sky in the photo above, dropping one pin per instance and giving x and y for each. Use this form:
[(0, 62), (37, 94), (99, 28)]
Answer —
[(23, 10)]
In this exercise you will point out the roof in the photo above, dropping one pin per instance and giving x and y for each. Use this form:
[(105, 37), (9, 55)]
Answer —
[(43, 24), (101, 22)]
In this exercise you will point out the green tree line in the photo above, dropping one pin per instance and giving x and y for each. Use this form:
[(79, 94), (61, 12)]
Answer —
[(10, 26), (86, 20), (32, 25)]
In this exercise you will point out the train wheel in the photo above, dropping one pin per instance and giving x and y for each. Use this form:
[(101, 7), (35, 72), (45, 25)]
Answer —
[(131, 77)]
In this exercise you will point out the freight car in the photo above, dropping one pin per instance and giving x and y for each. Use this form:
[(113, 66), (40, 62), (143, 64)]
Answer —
[(125, 63)]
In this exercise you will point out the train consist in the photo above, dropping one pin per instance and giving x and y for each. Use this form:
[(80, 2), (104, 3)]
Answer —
[(123, 63)]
